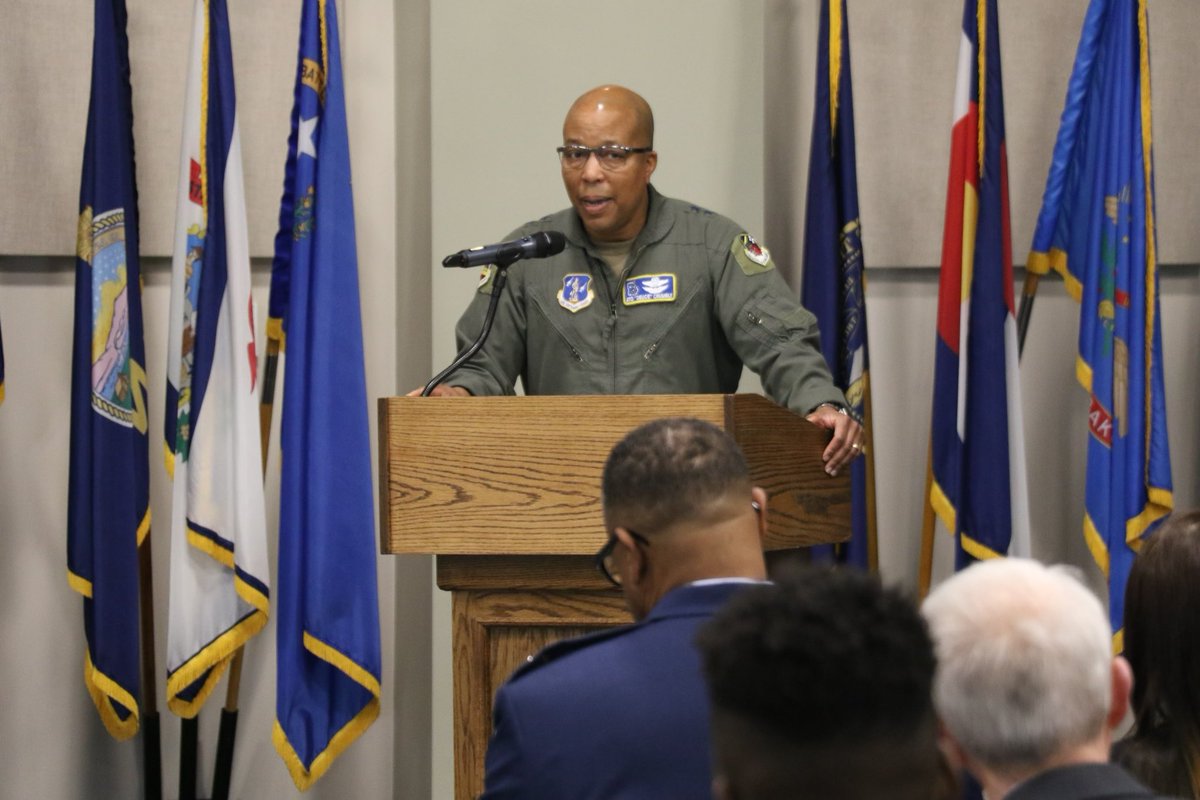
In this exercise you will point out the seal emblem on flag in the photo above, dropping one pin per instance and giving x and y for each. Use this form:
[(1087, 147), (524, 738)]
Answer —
[(112, 382), (576, 293)]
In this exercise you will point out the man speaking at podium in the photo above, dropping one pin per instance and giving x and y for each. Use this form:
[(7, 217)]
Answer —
[(651, 295)]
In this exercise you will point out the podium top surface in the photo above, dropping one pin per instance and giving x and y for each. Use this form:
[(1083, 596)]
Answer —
[(521, 475)]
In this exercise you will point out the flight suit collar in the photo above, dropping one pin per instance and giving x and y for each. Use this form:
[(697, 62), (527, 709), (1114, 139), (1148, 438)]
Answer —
[(658, 225)]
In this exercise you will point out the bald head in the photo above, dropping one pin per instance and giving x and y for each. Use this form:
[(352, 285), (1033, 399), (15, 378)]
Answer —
[(616, 101)]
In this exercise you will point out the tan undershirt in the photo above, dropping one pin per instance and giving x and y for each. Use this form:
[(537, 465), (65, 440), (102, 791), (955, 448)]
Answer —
[(614, 254)]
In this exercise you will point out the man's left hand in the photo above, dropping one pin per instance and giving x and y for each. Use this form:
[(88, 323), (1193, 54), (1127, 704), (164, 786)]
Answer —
[(847, 441)]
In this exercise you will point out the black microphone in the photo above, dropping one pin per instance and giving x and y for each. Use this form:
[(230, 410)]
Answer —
[(535, 245)]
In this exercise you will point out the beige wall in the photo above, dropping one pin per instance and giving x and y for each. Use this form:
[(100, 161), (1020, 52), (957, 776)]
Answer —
[(454, 109)]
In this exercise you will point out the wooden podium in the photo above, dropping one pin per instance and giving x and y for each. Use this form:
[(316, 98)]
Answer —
[(505, 492)]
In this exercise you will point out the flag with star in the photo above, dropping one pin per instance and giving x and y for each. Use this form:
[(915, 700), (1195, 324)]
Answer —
[(1096, 228), (219, 570), (833, 284), (977, 503), (108, 509), (327, 615)]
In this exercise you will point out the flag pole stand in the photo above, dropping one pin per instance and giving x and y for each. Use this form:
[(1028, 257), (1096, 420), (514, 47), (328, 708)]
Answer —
[(223, 768), (1028, 294), (189, 728), (151, 746)]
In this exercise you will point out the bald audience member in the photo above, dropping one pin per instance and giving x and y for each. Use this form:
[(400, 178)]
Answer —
[(651, 295), (1027, 688), (622, 713), (820, 688)]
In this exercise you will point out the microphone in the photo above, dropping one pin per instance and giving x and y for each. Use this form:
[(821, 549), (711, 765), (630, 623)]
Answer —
[(535, 245)]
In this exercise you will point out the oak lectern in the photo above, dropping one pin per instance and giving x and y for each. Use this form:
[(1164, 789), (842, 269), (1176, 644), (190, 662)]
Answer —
[(505, 492)]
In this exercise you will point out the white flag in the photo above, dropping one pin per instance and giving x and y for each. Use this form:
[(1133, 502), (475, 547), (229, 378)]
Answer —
[(219, 572)]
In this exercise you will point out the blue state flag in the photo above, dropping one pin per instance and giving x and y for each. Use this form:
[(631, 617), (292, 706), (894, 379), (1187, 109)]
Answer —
[(833, 284), (108, 512), (328, 650), (977, 489), (1096, 228)]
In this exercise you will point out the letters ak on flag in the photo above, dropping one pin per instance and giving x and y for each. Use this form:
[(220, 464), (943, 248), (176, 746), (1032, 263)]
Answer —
[(327, 614), (978, 488), (108, 512), (219, 570), (1096, 228)]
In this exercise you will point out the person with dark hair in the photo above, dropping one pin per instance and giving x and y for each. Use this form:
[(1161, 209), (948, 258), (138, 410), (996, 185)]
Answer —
[(820, 687), (1162, 644), (622, 713)]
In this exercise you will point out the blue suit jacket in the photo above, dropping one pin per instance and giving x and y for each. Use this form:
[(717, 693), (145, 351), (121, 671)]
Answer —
[(619, 714)]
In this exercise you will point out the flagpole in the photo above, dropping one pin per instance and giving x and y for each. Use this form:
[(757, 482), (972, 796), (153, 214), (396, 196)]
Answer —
[(868, 453), (925, 567), (189, 737), (1028, 293), (223, 768), (151, 747)]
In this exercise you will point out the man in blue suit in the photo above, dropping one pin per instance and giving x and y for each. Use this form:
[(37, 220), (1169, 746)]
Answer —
[(624, 713)]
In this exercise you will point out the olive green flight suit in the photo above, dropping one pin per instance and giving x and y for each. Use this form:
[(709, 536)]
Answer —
[(697, 300)]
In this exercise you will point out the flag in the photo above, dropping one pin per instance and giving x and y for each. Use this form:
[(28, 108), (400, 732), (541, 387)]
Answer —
[(1096, 228), (327, 615), (977, 454), (108, 512), (219, 570), (833, 283)]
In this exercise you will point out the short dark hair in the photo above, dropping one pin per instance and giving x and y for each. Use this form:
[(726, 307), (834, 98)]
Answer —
[(831, 675), (1162, 644), (671, 470)]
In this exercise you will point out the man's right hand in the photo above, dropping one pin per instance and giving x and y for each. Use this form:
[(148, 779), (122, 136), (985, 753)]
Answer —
[(441, 390)]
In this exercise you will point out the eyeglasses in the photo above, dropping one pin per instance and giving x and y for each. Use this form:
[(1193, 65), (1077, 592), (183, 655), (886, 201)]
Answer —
[(604, 556), (611, 157)]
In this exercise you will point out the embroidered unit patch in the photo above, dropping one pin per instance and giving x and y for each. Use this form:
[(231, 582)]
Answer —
[(576, 293), (752, 257)]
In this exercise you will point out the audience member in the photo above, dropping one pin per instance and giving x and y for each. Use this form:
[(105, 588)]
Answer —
[(820, 688), (623, 713), (1162, 643), (1027, 688)]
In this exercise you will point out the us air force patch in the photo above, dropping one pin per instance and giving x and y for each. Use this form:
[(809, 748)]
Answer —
[(752, 257), (576, 293), (650, 289)]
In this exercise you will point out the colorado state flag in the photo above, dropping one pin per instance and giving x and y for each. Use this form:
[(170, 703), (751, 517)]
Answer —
[(1096, 228), (833, 284), (219, 570), (328, 672), (977, 452), (108, 512)]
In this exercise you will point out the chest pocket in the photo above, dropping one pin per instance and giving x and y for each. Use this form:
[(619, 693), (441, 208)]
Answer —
[(671, 318), (570, 328)]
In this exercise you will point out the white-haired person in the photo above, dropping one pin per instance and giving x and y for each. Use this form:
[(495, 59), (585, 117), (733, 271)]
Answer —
[(1027, 689)]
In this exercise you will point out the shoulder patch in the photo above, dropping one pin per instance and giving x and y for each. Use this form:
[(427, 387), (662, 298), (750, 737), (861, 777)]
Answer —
[(485, 279), (752, 257)]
